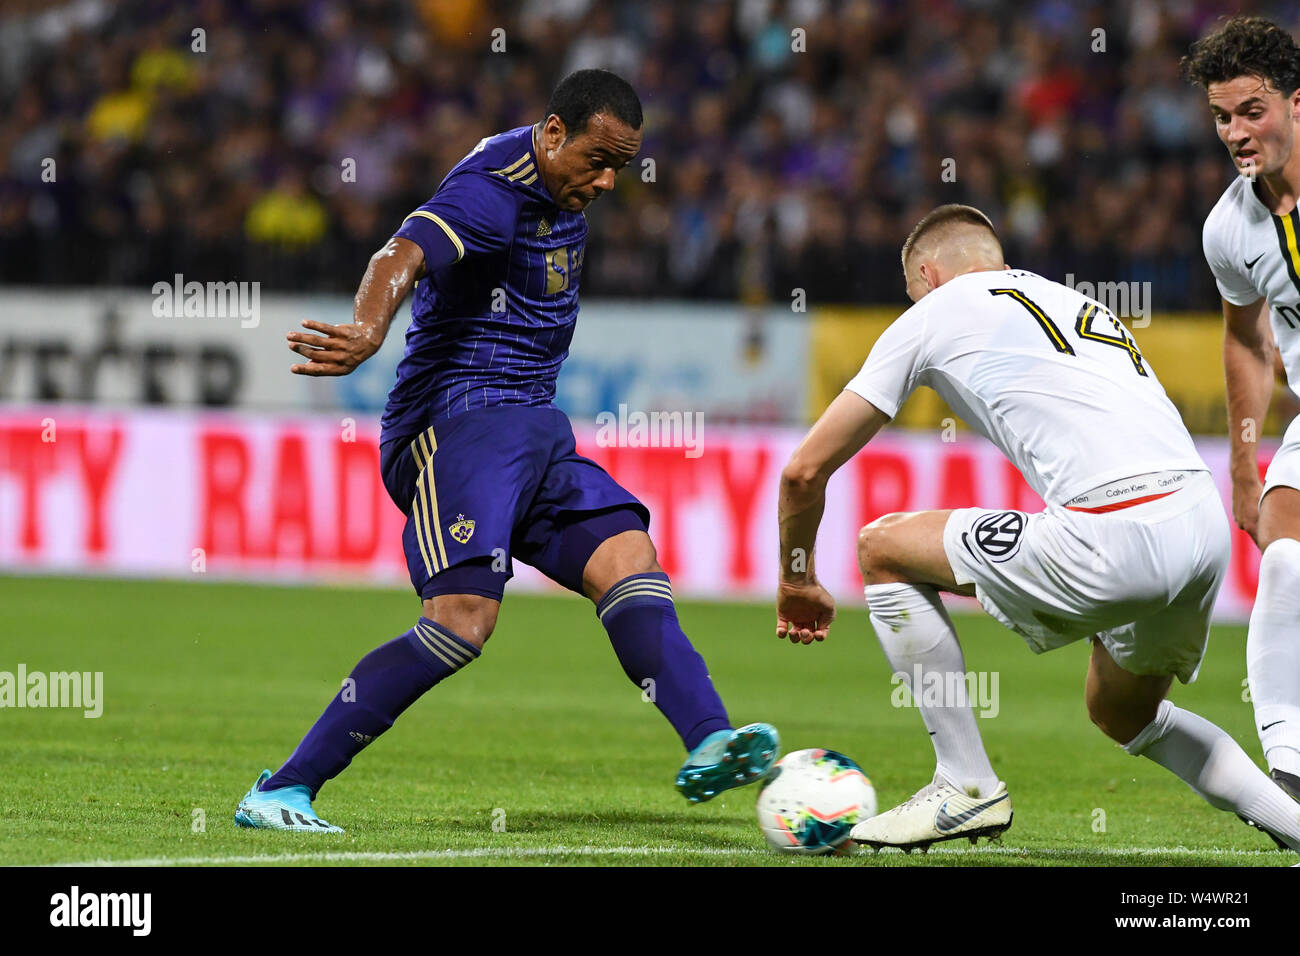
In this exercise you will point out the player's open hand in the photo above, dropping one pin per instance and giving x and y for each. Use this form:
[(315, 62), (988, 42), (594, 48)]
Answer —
[(804, 612), (336, 350)]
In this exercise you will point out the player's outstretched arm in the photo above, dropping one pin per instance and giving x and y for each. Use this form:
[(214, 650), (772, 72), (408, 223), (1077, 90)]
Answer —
[(804, 609), (1248, 374), (338, 349)]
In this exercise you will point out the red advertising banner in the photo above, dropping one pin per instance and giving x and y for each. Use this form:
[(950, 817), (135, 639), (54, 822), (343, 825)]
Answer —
[(295, 498)]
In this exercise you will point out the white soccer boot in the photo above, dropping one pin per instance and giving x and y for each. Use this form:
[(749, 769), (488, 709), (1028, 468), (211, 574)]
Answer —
[(938, 811)]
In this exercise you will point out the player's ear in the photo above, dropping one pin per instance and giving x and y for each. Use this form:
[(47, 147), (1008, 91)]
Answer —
[(929, 276), (553, 132)]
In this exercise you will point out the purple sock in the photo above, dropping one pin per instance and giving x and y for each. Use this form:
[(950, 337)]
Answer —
[(383, 684), (639, 615)]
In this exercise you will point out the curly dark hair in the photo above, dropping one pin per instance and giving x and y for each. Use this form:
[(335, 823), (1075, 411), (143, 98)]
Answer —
[(1245, 46)]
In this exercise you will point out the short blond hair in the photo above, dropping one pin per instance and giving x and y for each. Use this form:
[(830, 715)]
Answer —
[(952, 214)]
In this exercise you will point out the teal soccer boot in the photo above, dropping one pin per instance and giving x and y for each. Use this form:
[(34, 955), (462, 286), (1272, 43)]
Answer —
[(288, 808), (727, 759)]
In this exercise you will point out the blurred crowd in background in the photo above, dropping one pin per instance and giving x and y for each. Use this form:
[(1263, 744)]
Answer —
[(794, 142)]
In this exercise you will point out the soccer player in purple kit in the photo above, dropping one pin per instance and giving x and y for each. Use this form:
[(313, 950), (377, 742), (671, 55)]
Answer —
[(484, 465)]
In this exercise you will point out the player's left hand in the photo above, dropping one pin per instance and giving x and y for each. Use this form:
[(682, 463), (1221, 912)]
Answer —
[(336, 350), (804, 612)]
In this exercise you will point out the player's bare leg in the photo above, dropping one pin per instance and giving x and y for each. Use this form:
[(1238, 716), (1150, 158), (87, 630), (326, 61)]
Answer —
[(904, 567), (634, 602), (472, 617), (1273, 641), (1201, 754), (1121, 703), (908, 547), (617, 557)]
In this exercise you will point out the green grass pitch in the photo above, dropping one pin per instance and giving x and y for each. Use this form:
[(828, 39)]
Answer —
[(207, 683)]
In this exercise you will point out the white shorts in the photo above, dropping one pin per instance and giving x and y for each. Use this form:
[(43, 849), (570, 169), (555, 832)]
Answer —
[(1143, 578), (1284, 469)]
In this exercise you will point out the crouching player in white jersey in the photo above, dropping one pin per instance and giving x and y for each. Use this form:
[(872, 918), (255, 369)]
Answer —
[(1130, 550), (1250, 69)]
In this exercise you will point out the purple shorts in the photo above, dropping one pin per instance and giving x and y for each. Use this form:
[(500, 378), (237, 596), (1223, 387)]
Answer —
[(494, 484)]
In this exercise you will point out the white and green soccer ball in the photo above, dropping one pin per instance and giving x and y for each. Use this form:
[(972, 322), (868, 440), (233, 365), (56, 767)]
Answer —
[(811, 800)]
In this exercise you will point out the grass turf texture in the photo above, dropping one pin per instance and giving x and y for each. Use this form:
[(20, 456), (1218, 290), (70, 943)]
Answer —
[(207, 683)]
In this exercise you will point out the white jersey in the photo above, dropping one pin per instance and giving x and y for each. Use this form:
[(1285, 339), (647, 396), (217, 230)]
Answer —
[(1046, 374), (1256, 255)]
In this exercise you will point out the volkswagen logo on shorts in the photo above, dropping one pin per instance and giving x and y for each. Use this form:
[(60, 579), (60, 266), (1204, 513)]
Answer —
[(998, 535)]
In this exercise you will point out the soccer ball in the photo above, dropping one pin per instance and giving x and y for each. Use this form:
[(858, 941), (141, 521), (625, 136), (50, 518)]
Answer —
[(811, 800)]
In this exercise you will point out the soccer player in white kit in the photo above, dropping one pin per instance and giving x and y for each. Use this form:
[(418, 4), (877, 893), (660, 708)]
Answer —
[(1250, 69), (1130, 551)]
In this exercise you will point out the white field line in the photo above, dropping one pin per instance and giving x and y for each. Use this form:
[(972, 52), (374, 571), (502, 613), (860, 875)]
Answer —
[(509, 853), (346, 856)]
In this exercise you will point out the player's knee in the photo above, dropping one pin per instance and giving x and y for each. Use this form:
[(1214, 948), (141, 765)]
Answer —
[(1102, 714), (470, 617), (622, 556), (1121, 721), (637, 554), (1098, 712), (870, 550), (875, 557)]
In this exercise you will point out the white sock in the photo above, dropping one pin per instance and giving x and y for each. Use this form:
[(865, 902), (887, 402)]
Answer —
[(1215, 766), (1273, 655), (915, 631)]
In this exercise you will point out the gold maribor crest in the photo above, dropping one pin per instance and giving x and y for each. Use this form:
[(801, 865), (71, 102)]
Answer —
[(463, 529)]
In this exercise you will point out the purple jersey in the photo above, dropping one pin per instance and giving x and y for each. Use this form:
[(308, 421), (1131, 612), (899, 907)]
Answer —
[(492, 319)]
